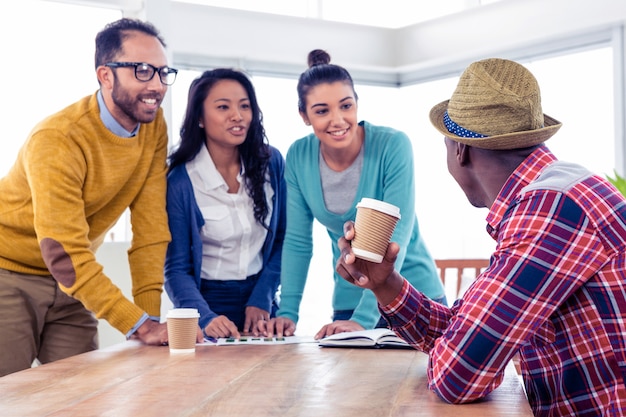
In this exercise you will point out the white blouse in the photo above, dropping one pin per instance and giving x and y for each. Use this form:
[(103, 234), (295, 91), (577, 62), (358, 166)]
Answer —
[(232, 240)]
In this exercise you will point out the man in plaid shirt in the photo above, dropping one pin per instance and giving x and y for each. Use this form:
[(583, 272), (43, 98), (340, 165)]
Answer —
[(555, 289)]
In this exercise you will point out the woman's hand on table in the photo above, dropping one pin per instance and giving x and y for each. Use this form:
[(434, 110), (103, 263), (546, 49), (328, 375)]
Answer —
[(254, 315), (221, 326), (338, 326), (279, 326)]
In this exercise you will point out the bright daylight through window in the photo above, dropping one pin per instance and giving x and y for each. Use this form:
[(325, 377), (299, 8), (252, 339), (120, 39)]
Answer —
[(52, 71)]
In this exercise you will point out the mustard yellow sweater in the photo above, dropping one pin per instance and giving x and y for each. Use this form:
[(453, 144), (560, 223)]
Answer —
[(72, 180)]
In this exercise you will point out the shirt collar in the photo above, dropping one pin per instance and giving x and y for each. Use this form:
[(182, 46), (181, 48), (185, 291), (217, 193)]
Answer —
[(110, 122), (523, 175), (203, 168)]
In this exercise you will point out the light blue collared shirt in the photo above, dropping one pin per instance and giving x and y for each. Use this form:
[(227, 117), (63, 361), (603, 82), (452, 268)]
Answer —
[(110, 122)]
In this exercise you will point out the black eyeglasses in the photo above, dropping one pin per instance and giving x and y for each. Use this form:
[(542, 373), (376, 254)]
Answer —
[(145, 72)]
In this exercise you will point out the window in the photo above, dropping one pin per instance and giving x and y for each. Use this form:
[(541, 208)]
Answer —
[(577, 89), (50, 65), (451, 227)]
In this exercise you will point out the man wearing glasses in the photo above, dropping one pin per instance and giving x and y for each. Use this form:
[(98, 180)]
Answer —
[(76, 174)]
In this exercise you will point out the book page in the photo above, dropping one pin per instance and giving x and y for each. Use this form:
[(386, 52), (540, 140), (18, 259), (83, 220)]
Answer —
[(369, 337), (365, 338)]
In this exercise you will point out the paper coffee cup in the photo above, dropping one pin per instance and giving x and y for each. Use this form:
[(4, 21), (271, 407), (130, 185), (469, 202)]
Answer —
[(182, 328), (373, 227)]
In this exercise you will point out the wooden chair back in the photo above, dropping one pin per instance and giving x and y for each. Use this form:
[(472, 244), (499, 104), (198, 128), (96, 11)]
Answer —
[(460, 265)]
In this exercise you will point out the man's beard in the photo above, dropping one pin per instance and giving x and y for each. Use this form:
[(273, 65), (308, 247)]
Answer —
[(129, 105)]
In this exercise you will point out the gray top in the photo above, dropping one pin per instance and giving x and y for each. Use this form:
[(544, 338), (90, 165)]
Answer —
[(339, 188)]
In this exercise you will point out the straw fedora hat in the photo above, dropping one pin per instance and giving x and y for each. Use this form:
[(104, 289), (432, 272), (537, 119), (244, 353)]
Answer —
[(496, 105)]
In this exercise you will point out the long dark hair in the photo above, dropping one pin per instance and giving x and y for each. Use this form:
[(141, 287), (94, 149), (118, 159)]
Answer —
[(254, 151), (320, 71)]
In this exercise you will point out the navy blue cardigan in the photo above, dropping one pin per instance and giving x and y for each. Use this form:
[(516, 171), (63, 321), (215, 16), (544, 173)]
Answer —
[(184, 253)]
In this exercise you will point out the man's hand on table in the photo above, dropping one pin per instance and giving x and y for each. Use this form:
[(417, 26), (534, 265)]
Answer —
[(152, 333)]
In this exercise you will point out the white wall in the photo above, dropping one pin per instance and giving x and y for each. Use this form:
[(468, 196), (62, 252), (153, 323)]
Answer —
[(435, 48)]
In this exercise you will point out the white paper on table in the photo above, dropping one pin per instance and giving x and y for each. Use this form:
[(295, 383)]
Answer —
[(252, 340)]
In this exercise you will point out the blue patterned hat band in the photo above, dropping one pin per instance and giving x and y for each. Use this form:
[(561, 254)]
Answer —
[(459, 130)]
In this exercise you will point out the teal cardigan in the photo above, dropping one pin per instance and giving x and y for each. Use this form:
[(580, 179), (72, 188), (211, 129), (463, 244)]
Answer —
[(388, 175)]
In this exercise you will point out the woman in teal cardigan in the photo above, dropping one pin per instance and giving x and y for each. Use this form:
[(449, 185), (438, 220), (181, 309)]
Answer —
[(327, 173)]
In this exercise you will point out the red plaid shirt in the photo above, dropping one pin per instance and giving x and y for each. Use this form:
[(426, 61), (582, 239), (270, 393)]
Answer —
[(555, 292)]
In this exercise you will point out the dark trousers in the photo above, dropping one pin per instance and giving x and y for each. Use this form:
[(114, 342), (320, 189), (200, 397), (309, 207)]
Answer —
[(230, 298), (39, 321)]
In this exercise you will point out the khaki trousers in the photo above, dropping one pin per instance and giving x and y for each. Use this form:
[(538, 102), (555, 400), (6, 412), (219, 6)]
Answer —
[(39, 321)]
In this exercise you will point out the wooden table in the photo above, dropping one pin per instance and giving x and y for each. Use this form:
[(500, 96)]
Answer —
[(278, 380)]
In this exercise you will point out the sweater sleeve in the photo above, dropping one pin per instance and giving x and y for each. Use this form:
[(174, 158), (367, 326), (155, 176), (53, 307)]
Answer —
[(298, 245), (414, 260), (151, 236), (55, 172), (398, 188), (396, 185)]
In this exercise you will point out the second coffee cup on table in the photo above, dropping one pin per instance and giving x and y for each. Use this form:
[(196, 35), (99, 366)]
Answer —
[(373, 227)]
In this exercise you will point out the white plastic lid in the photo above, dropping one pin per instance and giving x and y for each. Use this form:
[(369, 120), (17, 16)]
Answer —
[(381, 206), (183, 313)]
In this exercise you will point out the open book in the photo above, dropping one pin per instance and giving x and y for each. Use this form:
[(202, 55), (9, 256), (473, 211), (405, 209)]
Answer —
[(364, 338)]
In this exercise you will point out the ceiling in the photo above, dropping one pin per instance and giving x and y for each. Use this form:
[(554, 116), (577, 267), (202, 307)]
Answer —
[(388, 14), (386, 46)]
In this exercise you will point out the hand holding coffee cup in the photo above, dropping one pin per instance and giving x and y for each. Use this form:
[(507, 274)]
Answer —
[(373, 227)]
